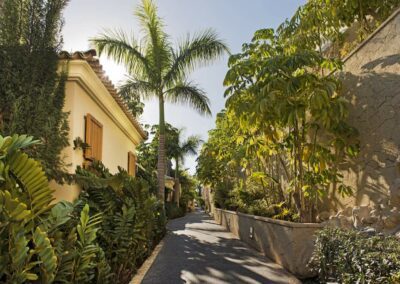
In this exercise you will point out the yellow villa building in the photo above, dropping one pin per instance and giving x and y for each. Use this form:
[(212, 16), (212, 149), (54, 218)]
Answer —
[(98, 117)]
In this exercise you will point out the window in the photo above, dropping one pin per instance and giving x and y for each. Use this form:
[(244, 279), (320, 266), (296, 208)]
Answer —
[(94, 138), (131, 164)]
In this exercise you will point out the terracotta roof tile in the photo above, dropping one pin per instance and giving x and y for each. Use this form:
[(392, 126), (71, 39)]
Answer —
[(91, 58)]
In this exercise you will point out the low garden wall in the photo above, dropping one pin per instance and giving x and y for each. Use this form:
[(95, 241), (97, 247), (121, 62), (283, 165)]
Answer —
[(288, 244)]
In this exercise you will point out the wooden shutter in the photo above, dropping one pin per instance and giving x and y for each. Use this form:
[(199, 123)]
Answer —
[(94, 138), (131, 164)]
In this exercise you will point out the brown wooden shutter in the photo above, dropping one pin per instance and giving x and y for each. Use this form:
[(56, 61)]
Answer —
[(131, 164), (94, 138)]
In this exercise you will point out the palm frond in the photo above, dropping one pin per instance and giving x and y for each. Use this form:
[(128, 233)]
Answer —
[(191, 144), (123, 49), (157, 45), (151, 23), (199, 49), (188, 93), (133, 87)]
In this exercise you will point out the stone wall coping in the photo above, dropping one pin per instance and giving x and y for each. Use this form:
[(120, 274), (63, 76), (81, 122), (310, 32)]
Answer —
[(274, 221)]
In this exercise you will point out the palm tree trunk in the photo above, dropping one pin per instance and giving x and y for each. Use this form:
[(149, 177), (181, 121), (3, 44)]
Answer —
[(161, 153), (177, 183)]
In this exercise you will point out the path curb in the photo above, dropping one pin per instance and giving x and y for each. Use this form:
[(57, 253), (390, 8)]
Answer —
[(141, 273)]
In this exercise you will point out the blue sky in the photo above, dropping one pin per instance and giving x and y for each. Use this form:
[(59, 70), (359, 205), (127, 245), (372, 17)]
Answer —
[(234, 20)]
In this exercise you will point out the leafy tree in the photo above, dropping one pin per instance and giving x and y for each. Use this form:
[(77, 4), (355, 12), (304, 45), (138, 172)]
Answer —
[(158, 70), (31, 91), (285, 117), (286, 122), (218, 164), (301, 112)]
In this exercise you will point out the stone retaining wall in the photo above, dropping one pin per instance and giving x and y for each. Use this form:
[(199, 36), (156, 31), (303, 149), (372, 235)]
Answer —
[(288, 244)]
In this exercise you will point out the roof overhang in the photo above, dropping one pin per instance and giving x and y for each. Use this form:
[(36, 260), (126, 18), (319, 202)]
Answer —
[(79, 71), (85, 69)]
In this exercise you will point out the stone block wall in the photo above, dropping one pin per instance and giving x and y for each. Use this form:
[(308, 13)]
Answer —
[(371, 82)]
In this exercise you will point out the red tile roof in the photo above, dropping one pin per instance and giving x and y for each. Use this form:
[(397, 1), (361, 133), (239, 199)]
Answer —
[(91, 58)]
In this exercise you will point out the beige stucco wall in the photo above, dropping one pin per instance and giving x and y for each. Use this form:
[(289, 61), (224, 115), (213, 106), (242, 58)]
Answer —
[(371, 82), (85, 94)]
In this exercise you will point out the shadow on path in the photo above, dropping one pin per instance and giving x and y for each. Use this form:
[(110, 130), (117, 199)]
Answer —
[(196, 250)]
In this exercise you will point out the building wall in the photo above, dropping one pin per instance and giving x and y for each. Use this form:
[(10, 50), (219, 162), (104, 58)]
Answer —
[(371, 82), (116, 144), (86, 94)]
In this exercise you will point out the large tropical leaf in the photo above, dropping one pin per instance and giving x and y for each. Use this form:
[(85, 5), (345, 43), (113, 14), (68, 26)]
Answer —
[(87, 250), (30, 176), (22, 175), (46, 253)]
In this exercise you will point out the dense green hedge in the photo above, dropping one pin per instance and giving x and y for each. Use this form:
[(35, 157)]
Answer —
[(344, 256)]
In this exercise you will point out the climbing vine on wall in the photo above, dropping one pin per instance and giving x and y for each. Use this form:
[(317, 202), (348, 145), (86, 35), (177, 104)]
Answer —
[(32, 92)]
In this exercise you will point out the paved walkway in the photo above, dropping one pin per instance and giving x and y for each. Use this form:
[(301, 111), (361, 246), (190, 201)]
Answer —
[(197, 250)]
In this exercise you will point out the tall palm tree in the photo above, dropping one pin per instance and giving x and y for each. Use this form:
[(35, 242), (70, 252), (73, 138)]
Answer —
[(179, 151), (158, 70)]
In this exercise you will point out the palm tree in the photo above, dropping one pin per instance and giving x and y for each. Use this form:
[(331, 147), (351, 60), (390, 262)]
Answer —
[(179, 151), (158, 70)]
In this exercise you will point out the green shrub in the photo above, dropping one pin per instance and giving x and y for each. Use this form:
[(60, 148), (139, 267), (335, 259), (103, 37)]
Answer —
[(173, 211), (274, 211), (132, 222), (254, 200), (353, 257)]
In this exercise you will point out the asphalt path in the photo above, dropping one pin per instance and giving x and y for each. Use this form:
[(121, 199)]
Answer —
[(197, 250)]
